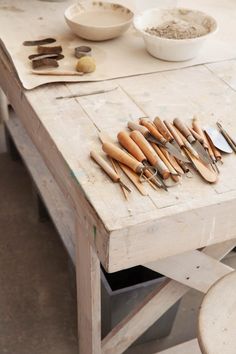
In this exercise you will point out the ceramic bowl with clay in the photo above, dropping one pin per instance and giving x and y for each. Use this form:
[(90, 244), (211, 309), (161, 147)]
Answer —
[(174, 49), (97, 20)]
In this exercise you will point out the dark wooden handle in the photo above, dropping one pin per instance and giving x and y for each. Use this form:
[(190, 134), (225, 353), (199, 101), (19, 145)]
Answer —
[(105, 166), (121, 156), (128, 143), (184, 130), (153, 130), (162, 129)]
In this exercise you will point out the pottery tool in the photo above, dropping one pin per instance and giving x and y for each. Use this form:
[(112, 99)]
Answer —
[(207, 174), (150, 154), (134, 149), (44, 56), (174, 162), (196, 145), (133, 177), (161, 140), (165, 133), (56, 73), (95, 92), (164, 159), (231, 142), (108, 169), (215, 151), (39, 42), (49, 50), (45, 62), (199, 134), (219, 140), (115, 167), (184, 144), (82, 51)]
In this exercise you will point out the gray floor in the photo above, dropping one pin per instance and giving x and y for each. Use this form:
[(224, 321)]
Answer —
[(37, 308)]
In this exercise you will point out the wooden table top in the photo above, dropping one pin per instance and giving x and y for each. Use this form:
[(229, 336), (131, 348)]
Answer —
[(126, 233)]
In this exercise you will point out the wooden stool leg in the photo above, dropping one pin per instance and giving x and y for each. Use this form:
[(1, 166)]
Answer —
[(89, 294)]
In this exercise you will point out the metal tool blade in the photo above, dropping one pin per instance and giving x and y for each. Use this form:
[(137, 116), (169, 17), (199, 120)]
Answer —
[(218, 140), (201, 152), (170, 148)]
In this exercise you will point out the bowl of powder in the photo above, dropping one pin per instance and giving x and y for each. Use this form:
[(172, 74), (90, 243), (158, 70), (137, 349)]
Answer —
[(174, 34)]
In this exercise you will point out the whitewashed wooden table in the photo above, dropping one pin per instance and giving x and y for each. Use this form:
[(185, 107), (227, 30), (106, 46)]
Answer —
[(163, 231)]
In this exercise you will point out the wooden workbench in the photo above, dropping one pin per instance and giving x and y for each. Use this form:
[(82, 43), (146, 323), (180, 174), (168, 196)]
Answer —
[(162, 231)]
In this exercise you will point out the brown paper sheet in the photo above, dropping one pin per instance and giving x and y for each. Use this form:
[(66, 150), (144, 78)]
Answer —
[(121, 57)]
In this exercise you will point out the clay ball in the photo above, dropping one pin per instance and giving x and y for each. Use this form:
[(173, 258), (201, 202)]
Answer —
[(86, 65)]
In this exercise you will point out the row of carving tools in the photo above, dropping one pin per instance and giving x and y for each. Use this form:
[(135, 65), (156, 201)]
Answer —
[(161, 153)]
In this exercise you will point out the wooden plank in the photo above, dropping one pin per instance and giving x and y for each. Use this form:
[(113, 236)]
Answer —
[(88, 292), (58, 206), (190, 347), (194, 269), (151, 309)]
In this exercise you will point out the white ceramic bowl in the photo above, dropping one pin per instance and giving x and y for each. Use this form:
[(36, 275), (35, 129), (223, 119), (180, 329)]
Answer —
[(97, 20), (173, 49)]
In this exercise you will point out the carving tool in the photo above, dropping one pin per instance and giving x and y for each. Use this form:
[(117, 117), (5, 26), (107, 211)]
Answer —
[(218, 140), (108, 169), (56, 73), (207, 174), (115, 167), (196, 145), (231, 142), (165, 133), (216, 153), (96, 92), (129, 144), (161, 140), (174, 162), (164, 159), (133, 177), (150, 154), (182, 143), (199, 134), (39, 42)]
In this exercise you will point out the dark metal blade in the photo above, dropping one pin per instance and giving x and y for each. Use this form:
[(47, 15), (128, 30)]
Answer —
[(201, 152), (170, 148)]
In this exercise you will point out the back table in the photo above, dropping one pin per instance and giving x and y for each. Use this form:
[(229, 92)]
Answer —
[(182, 234)]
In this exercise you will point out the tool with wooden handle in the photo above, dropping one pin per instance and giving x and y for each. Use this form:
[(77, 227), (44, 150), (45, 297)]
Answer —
[(212, 151), (200, 133), (173, 161), (108, 169), (164, 132), (121, 156), (196, 145), (150, 154), (162, 141), (215, 151), (183, 143), (230, 141), (164, 159), (207, 174), (115, 166)]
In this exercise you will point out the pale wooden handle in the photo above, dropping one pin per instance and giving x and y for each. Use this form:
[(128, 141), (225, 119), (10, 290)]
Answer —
[(140, 128), (152, 129), (121, 156), (105, 166), (162, 129), (128, 143), (144, 145), (198, 130), (164, 159), (56, 73), (197, 136), (187, 144), (174, 133), (215, 151), (183, 129)]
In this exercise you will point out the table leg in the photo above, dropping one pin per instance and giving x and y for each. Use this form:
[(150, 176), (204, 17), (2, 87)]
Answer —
[(88, 293), (3, 106)]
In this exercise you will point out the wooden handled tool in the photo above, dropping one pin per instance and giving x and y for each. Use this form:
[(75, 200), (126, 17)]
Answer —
[(196, 145), (182, 141), (150, 154), (121, 156), (108, 169), (129, 144), (164, 159), (152, 129), (140, 128), (162, 129)]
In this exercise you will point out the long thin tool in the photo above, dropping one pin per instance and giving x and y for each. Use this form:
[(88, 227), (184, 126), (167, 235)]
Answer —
[(230, 141), (160, 138), (164, 131), (108, 169), (196, 145)]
